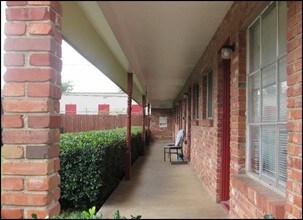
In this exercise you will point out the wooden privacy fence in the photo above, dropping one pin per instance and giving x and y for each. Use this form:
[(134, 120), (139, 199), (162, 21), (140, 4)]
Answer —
[(78, 123)]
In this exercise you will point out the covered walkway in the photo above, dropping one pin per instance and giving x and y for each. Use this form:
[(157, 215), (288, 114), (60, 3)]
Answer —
[(159, 189)]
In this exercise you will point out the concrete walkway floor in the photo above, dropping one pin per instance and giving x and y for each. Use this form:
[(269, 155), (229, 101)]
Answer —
[(159, 189)]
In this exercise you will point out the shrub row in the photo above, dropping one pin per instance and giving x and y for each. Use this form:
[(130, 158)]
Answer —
[(92, 165)]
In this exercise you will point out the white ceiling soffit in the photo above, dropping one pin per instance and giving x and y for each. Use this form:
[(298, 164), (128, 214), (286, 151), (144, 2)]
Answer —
[(160, 42), (79, 32), (95, 15), (163, 40)]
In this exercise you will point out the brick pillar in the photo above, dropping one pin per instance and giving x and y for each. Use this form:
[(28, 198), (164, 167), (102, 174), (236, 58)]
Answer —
[(293, 207), (31, 120)]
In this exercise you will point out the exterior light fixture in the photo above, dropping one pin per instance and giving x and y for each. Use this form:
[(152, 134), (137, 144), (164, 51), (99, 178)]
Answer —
[(226, 51)]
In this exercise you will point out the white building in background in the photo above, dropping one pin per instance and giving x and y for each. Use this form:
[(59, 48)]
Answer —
[(90, 103)]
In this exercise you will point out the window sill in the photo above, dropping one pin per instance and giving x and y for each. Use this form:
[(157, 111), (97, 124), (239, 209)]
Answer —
[(203, 122), (195, 122), (260, 196), (207, 122)]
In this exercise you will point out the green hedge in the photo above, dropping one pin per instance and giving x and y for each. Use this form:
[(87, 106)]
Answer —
[(92, 165)]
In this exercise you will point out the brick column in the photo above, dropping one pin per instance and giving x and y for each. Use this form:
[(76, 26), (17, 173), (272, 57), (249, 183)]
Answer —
[(31, 120), (293, 207)]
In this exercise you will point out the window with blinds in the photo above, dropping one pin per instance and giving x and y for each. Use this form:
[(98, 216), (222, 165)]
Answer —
[(267, 87), (209, 102), (196, 95)]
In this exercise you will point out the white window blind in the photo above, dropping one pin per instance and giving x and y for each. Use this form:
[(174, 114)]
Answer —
[(282, 154), (267, 96), (196, 94), (282, 16), (254, 45), (269, 91), (210, 94), (269, 34), (282, 89), (254, 136), (268, 144), (254, 102)]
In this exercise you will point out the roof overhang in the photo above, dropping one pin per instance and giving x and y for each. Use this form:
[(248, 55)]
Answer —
[(160, 42)]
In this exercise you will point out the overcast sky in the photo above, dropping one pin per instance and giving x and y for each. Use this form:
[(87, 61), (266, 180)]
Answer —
[(85, 77)]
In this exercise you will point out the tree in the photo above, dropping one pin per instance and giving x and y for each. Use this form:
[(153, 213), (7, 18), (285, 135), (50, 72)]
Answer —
[(67, 86)]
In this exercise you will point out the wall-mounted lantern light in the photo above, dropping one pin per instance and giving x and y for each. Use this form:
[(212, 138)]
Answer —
[(226, 51), (185, 95)]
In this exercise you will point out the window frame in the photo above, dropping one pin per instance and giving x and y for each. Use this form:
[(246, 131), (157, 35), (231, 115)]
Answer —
[(275, 184), (196, 102), (209, 96)]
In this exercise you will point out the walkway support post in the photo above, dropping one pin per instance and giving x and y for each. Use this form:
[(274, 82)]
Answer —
[(148, 124), (128, 126), (31, 120), (143, 125)]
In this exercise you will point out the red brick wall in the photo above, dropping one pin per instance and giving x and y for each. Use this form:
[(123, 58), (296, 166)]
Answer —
[(31, 121), (248, 198), (206, 134), (158, 133), (293, 206), (204, 157), (251, 199)]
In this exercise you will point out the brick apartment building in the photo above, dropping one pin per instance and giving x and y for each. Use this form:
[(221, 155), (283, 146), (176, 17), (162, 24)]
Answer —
[(238, 96), (243, 115)]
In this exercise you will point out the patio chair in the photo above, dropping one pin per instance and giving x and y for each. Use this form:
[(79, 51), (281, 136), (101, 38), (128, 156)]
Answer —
[(174, 148)]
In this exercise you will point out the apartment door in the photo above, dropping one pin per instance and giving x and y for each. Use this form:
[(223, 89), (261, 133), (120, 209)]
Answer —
[(225, 153)]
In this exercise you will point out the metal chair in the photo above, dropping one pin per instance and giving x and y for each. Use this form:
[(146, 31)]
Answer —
[(174, 148)]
